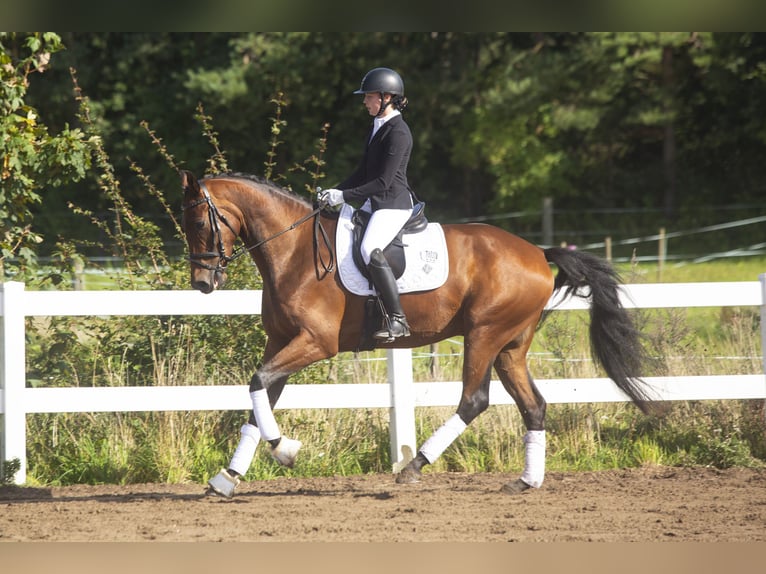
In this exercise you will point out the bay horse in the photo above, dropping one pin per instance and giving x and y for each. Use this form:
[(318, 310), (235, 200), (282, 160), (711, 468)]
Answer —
[(494, 297)]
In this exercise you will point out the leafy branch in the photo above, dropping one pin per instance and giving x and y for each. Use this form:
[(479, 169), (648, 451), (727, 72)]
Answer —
[(316, 160), (217, 162), (277, 123), (134, 238)]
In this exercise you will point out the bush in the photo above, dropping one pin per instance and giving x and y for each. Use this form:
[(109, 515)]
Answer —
[(9, 470)]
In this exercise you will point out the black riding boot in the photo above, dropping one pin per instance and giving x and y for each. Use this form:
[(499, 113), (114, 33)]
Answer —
[(384, 281)]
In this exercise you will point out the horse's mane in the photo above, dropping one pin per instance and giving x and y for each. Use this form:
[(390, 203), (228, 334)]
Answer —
[(262, 181)]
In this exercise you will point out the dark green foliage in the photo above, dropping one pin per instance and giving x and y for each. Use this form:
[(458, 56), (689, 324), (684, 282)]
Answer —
[(626, 132), (32, 159)]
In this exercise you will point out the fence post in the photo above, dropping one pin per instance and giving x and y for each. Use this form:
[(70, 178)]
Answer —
[(402, 413), (547, 221), (13, 443), (762, 278)]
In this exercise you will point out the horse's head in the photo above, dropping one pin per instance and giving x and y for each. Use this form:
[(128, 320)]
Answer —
[(209, 235)]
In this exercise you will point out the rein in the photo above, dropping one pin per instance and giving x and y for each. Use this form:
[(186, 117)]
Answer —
[(223, 260)]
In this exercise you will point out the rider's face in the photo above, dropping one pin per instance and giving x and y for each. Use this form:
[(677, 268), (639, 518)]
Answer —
[(372, 102)]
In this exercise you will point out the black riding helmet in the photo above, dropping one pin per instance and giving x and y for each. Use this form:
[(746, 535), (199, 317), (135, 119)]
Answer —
[(382, 80)]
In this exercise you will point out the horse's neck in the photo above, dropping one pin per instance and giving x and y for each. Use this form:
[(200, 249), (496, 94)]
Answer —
[(279, 247)]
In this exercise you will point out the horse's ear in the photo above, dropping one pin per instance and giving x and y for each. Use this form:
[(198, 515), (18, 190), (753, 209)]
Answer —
[(189, 183)]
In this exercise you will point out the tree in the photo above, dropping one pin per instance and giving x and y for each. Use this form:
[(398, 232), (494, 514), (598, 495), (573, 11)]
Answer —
[(622, 121), (32, 158)]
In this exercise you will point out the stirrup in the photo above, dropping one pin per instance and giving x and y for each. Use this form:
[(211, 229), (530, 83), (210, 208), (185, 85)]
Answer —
[(396, 326)]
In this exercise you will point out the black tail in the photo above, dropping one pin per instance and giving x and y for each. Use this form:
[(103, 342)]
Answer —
[(615, 341)]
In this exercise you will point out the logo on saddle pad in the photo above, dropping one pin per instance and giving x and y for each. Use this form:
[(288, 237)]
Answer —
[(425, 265)]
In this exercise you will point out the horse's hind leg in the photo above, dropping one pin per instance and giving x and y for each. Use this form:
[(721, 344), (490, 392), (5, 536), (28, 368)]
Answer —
[(475, 400), (511, 367)]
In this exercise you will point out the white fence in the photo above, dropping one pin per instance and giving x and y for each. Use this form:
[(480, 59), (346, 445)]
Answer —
[(401, 395)]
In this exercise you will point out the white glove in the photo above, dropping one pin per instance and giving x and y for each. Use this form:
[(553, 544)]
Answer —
[(330, 197)]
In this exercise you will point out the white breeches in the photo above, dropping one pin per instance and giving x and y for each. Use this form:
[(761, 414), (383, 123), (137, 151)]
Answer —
[(383, 227)]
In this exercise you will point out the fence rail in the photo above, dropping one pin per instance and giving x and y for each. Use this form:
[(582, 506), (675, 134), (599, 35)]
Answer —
[(400, 395)]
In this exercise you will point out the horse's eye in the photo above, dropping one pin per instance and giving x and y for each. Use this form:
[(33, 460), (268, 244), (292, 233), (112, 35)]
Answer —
[(199, 225)]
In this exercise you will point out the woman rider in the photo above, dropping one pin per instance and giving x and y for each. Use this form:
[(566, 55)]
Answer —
[(380, 181)]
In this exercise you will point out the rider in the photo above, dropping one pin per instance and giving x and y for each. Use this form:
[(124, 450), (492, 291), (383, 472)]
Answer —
[(381, 182)]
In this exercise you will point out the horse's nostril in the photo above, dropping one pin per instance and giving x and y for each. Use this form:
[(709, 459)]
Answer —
[(202, 286)]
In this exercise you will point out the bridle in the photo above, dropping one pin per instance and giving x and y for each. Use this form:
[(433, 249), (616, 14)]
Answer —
[(215, 216)]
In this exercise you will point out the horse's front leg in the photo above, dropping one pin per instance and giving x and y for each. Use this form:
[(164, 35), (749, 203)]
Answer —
[(266, 387), (228, 478), (283, 449)]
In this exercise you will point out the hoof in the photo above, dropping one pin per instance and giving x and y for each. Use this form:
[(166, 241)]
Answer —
[(222, 484), (407, 457), (286, 451), (408, 476), (516, 487)]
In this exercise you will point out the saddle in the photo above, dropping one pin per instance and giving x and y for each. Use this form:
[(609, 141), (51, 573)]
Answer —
[(394, 251), (420, 262)]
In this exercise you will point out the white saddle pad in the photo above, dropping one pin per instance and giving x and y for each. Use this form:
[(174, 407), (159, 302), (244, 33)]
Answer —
[(425, 253)]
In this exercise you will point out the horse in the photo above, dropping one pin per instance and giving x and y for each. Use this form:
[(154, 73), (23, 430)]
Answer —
[(494, 296)]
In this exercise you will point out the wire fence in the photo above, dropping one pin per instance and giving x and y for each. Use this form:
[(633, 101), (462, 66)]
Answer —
[(630, 232)]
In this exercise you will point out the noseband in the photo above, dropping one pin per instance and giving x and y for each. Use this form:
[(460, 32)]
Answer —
[(215, 216)]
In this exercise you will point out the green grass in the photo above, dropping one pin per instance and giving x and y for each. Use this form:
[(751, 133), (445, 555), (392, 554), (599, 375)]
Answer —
[(734, 269)]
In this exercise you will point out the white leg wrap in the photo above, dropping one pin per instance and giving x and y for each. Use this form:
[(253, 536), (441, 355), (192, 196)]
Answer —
[(286, 451), (245, 452), (223, 483), (534, 462), (264, 415), (444, 436)]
